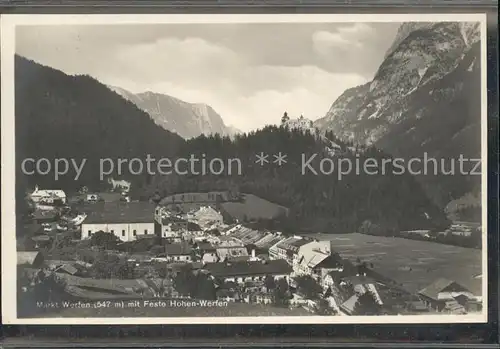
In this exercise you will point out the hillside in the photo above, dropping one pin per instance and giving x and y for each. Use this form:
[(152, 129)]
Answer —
[(425, 97), (76, 117), (186, 119), (316, 202)]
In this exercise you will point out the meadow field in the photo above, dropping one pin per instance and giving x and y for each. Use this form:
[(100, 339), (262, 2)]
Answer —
[(415, 264)]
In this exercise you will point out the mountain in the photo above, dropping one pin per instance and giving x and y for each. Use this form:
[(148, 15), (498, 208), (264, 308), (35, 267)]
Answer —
[(77, 117), (186, 119), (425, 97)]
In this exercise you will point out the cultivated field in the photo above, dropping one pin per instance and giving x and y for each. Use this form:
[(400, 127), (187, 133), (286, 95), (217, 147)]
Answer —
[(415, 264)]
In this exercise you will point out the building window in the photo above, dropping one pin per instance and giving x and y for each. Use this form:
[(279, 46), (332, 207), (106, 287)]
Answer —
[(123, 232), (135, 232)]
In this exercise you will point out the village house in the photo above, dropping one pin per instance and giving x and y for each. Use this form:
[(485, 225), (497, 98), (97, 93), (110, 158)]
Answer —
[(179, 252), (206, 252), (300, 123), (362, 284), (230, 248), (242, 272), (247, 235), (287, 248), (226, 295), (173, 230), (444, 295), (336, 295), (168, 225), (334, 149), (258, 298), (414, 305), (333, 264), (206, 217), (103, 197), (125, 220), (48, 196), (309, 255), (338, 269), (348, 306), (298, 300), (92, 197), (263, 245)]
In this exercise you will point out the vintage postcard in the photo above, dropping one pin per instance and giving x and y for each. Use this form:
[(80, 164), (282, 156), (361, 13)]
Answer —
[(259, 169)]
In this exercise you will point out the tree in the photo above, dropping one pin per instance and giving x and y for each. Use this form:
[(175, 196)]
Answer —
[(323, 308), (184, 282), (205, 289), (25, 209), (308, 287), (269, 282), (48, 288), (284, 118), (362, 268), (108, 266), (367, 305), (103, 239), (157, 249), (281, 293), (156, 198)]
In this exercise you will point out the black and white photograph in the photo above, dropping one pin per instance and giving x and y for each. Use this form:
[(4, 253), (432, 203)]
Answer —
[(204, 169)]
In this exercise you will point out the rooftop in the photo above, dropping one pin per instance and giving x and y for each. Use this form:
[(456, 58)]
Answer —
[(121, 212), (177, 249), (334, 261), (205, 246), (292, 243), (49, 192), (438, 286)]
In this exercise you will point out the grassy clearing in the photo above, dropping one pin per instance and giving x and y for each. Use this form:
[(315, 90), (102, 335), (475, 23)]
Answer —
[(428, 261)]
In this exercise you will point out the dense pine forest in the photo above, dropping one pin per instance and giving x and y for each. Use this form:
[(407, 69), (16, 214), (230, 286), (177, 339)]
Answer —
[(316, 202), (76, 117)]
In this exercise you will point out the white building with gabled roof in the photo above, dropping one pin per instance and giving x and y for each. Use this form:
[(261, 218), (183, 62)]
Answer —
[(47, 195)]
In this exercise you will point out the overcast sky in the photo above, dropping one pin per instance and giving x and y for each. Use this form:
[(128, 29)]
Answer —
[(249, 73)]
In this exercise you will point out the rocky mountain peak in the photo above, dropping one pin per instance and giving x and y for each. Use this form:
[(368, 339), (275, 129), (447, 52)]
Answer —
[(424, 93), (186, 119)]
